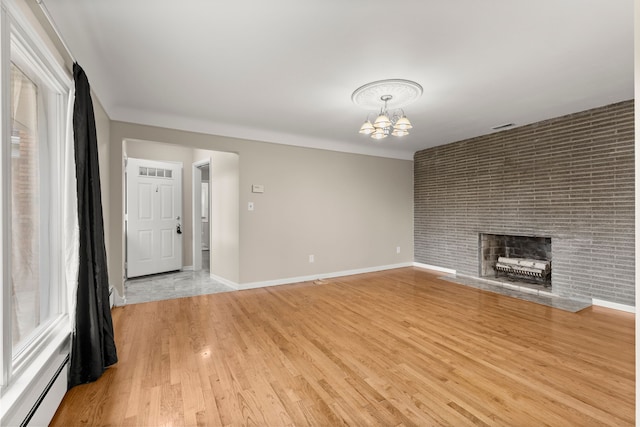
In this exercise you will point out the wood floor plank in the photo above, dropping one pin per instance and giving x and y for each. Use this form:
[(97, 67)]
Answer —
[(399, 347)]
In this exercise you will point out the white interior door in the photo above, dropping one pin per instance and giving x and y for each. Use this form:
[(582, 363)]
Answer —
[(153, 216)]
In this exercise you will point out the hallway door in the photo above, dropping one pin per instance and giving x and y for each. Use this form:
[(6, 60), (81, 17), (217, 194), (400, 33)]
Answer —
[(153, 217)]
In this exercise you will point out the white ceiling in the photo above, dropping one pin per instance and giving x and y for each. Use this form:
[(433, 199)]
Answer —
[(283, 70)]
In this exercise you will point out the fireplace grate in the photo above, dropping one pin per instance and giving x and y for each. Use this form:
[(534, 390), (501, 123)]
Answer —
[(524, 267)]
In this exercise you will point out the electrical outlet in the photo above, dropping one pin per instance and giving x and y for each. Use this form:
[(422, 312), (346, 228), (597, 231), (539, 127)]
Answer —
[(397, 249), (250, 206), (312, 258)]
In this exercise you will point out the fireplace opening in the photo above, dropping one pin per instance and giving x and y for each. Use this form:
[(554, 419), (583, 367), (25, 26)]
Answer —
[(523, 260)]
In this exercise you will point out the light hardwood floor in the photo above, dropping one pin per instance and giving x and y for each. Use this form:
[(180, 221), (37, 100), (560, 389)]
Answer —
[(392, 348)]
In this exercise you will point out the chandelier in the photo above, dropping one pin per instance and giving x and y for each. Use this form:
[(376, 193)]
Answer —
[(394, 94)]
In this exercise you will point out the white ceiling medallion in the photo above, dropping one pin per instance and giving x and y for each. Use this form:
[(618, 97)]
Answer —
[(387, 95), (404, 92)]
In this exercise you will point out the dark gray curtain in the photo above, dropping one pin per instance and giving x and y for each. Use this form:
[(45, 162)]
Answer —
[(92, 346)]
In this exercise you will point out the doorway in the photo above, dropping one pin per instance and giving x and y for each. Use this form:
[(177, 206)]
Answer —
[(224, 216), (201, 215)]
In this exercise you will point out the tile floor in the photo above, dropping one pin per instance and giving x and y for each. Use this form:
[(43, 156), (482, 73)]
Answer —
[(179, 284)]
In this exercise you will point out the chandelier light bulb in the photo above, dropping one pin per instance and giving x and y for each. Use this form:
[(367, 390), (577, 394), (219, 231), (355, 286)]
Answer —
[(400, 132), (379, 134), (382, 121), (367, 128), (403, 123)]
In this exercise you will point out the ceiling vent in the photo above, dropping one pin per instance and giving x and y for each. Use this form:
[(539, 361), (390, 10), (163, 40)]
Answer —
[(504, 126)]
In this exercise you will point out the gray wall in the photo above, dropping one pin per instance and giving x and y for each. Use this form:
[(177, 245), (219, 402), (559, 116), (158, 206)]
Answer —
[(569, 178)]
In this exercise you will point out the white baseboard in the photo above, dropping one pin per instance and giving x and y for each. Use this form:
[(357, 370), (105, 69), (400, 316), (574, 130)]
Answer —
[(224, 281), (290, 280), (434, 268), (187, 268), (299, 279), (613, 305), (118, 301)]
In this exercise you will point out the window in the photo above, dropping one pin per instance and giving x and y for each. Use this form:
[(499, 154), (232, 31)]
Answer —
[(31, 281), (35, 91)]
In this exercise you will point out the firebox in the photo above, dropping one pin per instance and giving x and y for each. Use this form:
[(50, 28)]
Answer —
[(515, 258)]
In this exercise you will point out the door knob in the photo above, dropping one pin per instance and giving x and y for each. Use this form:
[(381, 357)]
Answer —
[(178, 230)]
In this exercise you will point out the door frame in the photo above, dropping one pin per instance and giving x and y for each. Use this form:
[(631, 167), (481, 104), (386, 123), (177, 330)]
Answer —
[(196, 209)]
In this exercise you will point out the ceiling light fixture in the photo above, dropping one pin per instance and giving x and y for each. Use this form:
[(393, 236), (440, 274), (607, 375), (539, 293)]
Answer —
[(391, 120)]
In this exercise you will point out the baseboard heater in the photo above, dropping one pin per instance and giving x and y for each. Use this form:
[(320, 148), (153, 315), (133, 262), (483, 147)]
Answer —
[(45, 392)]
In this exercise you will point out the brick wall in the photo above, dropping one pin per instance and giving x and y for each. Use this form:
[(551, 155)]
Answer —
[(570, 178)]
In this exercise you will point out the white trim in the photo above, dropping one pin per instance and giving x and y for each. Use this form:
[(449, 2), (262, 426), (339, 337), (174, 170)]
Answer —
[(23, 374), (23, 30), (636, 168), (224, 281), (203, 162), (613, 305), (196, 211), (54, 27), (233, 131), (433, 267), (187, 268), (25, 388), (5, 192), (290, 280), (118, 301)]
